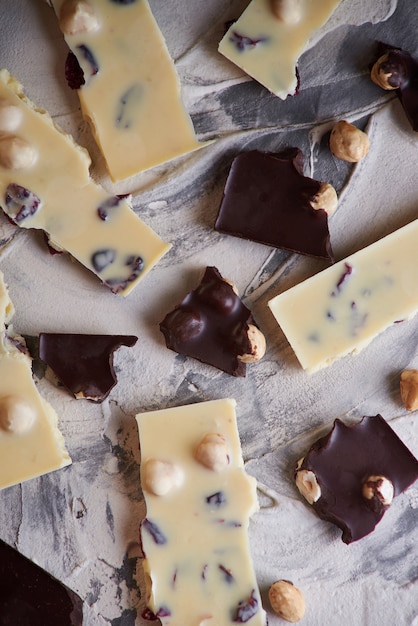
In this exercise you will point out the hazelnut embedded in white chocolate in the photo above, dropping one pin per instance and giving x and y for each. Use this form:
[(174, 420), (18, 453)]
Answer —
[(16, 153), (287, 11), (16, 415), (378, 489), (10, 116), (77, 16), (257, 345), (212, 452), (307, 484), (160, 477)]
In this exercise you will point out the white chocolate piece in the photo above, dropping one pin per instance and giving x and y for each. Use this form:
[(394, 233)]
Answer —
[(68, 203), (267, 48), (198, 564), (133, 101), (30, 442), (340, 310)]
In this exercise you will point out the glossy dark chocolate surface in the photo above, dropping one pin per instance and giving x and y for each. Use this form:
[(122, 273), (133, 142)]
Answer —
[(83, 363), (29, 596), (344, 459), (267, 199), (210, 325)]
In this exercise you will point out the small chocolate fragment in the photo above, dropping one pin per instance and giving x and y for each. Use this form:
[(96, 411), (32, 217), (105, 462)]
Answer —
[(268, 199), (83, 363), (401, 70), (30, 596), (211, 325), (344, 460)]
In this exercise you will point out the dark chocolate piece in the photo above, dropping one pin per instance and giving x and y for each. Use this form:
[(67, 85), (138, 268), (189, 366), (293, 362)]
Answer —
[(29, 596), (210, 325), (344, 459), (267, 199), (404, 70), (83, 363)]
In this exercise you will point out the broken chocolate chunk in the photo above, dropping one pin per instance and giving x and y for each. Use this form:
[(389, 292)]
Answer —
[(83, 363), (211, 325), (401, 71), (29, 595), (344, 460), (268, 199)]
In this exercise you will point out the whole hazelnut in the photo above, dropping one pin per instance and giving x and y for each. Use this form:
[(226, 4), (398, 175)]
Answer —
[(16, 153), (308, 485), (349, 143), (388, 74), (77, 16), (160, 477), (16, 415), (287, 11), (287, 600), (212, 452), (409, 389), (379, 491), (325, 199), (257, 345)]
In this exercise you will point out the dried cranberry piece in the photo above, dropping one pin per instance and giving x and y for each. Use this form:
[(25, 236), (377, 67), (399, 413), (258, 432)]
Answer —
[(246, 609), (217, 499), (108, 205), (90, 58), (163, 612), (136, 263), (155, 532), (348, 269), (227, 574), (149, 615), (74, 75), (20, 202), (132, 96), (102, 258), (123, 2), (242, 42)]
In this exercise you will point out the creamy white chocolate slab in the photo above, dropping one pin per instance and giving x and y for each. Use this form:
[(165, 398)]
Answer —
[(46, 173), (132, 94), (30, 441), (267, 47), (343, 308), (199, 500)]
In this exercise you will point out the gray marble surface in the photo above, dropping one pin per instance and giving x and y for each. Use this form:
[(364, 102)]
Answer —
[(82, 523)]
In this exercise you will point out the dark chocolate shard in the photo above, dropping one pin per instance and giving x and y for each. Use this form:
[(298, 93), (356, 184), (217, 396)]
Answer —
[(268, 199), (83, 363), (210, 325), (344, 459), (404, 78), (29, 596)]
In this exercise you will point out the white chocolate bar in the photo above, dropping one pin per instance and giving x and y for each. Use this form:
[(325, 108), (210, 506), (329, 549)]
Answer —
[(30, 441), (45, 184), (268, 48), (131, 96), (199, 500), (340, 310)]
